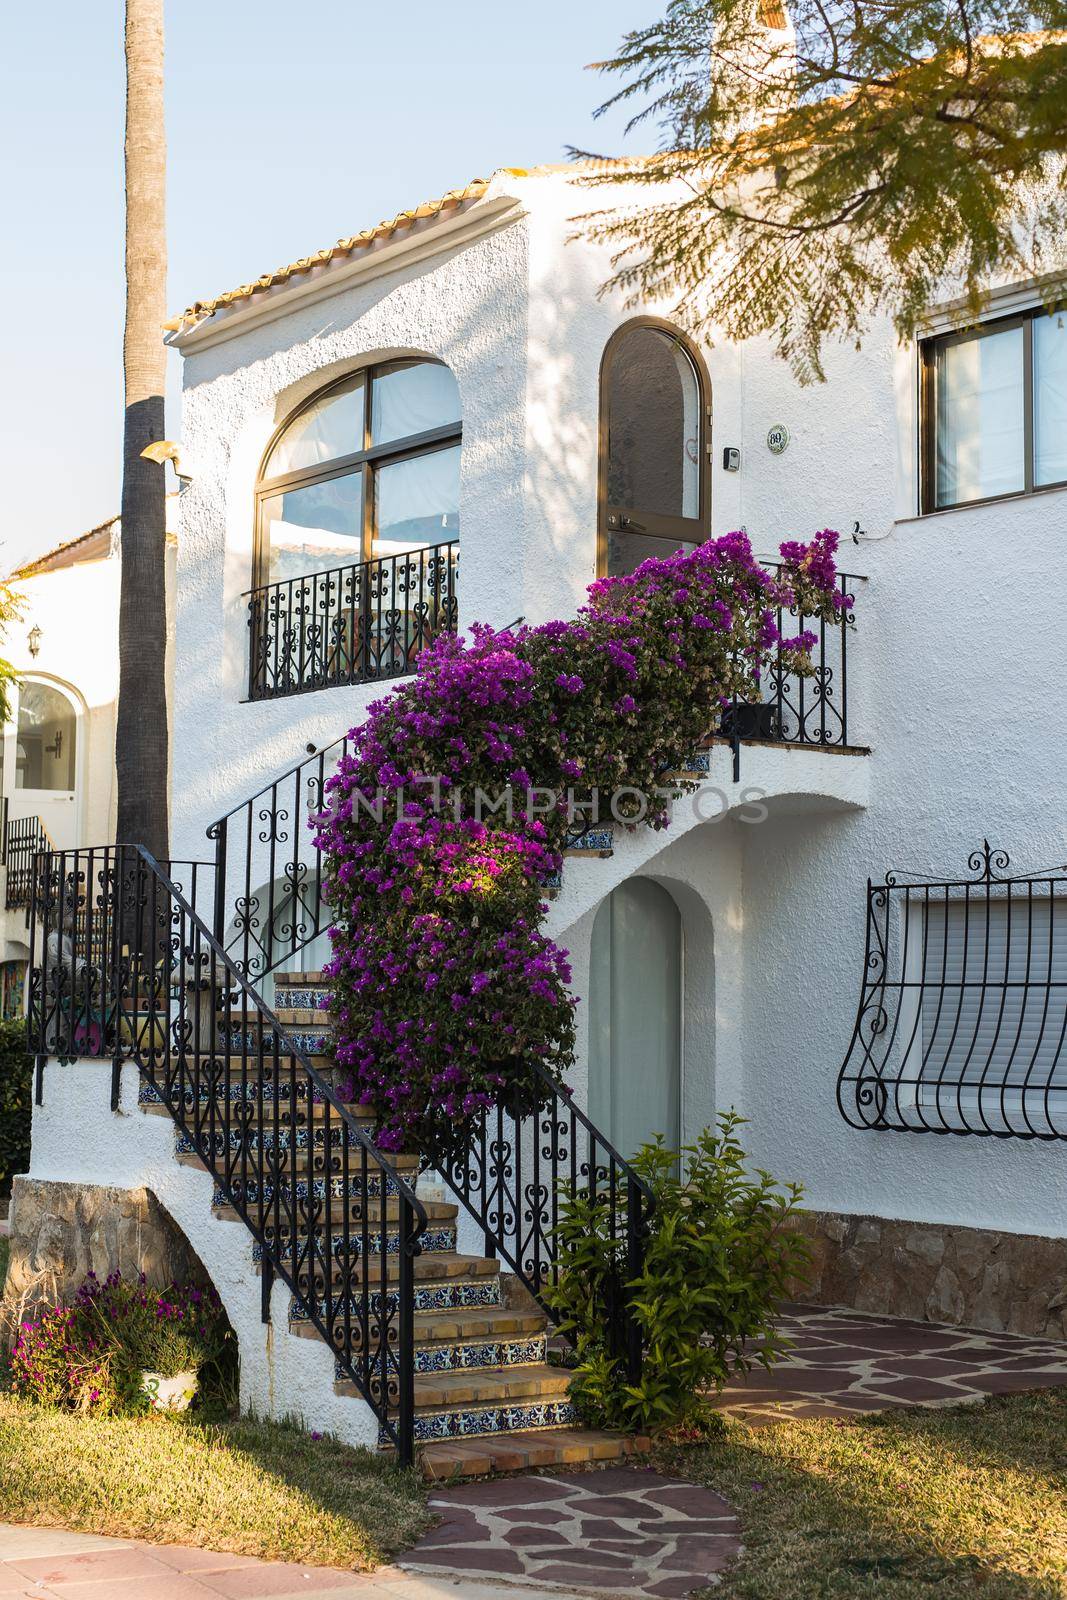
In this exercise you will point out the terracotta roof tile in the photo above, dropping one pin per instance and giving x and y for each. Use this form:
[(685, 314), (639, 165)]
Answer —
[(428, 211)]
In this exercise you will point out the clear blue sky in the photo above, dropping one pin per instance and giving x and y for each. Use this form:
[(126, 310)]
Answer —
[(289, 125)]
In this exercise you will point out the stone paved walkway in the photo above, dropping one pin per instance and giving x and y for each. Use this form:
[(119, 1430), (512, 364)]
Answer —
[(627, 1530), (847, 1362), (630, 1532)]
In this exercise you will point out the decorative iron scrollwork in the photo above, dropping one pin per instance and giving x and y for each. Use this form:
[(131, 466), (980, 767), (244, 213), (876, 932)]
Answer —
[(962, 1020)]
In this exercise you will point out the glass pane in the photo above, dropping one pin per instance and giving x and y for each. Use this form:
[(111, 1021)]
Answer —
[(653, 426), (626, 551), (410, 398), (417, 502), (46, 739), (1050, 398), (980, 417), (314, 528), (330, 427)]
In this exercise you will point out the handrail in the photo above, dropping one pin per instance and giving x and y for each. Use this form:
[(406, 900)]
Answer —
[(520, 1214), (125, 969), (268, 897)]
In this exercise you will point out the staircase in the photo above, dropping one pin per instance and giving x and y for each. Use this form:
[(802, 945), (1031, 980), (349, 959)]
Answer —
[(449, 1349)]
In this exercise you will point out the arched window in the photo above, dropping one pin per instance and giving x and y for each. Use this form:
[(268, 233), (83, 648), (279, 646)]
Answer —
[(46, 748), (368, 467), (654, 426)]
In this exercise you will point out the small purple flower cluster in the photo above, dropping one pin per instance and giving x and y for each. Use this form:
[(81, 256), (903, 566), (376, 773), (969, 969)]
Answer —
[(445, 991), (87, 1356)]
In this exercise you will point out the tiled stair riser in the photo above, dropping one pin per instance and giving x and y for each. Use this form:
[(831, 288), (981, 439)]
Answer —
[(288, 1139), (310, 1042), (250, 1092), (316, 1190), (471, 1422), (434, 1240), (475, 1355), (313, 997), (455, 1296)]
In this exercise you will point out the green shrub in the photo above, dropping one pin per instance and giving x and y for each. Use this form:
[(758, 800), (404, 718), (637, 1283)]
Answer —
[(16, 1102), (718, 1259), (90, 1355)]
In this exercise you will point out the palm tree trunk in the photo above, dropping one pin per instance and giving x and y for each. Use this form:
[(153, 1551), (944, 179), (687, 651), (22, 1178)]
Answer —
[(141, 744)]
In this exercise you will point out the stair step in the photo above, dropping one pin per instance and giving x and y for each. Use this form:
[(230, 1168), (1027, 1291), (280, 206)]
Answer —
[(441, 1266), (496, 1322), (480, 1355), (304, 1189), (437, 1391), (456, 1294), (520, 1452), (434, 1241), (436, 1211), (507, 1416), (311, 1042)]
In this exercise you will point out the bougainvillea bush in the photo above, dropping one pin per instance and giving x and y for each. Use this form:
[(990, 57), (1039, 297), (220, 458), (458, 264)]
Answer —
[(89, 1355), (453, 803)]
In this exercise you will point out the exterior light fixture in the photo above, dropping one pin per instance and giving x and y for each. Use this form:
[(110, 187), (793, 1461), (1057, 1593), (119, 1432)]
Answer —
[(34, 641)]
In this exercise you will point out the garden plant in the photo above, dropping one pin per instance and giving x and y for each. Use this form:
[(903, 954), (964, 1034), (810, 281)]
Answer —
[(719, 1258), (92, 1354)]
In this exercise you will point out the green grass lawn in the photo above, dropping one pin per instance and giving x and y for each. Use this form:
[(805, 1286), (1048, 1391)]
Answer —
[(256, 1488), (911, 1505)]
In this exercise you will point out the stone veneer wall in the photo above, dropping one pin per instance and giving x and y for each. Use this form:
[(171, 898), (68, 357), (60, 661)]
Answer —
[(60, 1232), (1008, 1282)]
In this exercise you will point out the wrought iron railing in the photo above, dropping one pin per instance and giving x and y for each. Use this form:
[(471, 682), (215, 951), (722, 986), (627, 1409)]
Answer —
[(795, 710), (962, 1019), (512, 1167), (124, 970), (352, 624), (268, 900), (23, 838)]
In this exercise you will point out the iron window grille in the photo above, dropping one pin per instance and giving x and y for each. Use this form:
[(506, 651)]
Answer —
[(962, 1020)]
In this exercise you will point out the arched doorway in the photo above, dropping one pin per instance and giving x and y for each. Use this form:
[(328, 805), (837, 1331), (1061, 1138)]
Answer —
[(48, 759), (635, 1016)]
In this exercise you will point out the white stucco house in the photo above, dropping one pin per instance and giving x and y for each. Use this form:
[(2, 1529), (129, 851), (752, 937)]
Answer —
[(441, 421)]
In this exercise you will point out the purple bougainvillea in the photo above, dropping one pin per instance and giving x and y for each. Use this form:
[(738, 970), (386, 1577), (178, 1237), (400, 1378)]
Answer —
[(452, 805)]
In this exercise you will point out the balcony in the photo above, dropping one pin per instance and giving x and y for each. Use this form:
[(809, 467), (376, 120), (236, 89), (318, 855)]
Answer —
[(791, 710), (354, 624)]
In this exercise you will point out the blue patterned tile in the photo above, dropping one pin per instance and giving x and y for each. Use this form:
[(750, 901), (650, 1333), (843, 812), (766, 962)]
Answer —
[(494, 1419), (433, 1240)]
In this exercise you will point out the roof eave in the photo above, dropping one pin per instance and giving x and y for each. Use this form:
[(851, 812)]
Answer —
[(419, 240)]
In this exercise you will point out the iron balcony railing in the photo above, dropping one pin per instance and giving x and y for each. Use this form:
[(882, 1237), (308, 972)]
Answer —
[(124, 970), (353, 624), (23, 838), (793, 710)]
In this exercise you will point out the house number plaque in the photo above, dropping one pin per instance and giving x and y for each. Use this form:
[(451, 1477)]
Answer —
[(778, 439)]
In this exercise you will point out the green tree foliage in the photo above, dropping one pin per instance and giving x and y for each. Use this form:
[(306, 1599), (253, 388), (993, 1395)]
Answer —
[(16, 1102), (719, 1257), (845, 159), (10, 611)]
